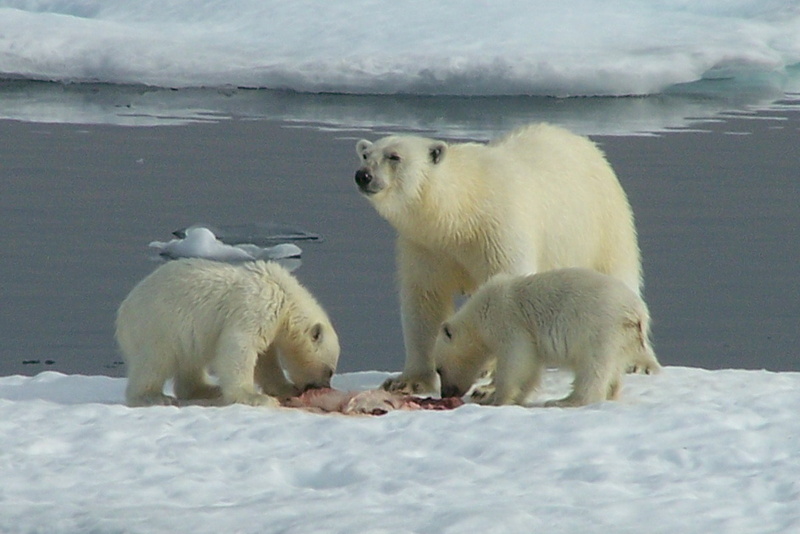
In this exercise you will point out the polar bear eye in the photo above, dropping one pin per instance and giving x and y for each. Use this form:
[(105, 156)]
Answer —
[(316, 333), (448, 333), (394, 156)]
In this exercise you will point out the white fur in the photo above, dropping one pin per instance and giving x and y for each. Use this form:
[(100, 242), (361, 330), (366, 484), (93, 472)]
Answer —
[(540, 198), (247, 322), (577, 319)]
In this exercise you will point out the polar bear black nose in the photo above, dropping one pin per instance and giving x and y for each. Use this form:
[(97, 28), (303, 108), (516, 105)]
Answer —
[(363, 178)]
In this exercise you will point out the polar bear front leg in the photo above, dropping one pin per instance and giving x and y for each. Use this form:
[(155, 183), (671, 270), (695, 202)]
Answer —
[(421, 315), (427, 287), (235, 366), (270, 377), (519, 369)]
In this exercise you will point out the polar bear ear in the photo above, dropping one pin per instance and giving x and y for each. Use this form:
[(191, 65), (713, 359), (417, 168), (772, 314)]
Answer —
[(362, 147), (316, 333), (437, 151)]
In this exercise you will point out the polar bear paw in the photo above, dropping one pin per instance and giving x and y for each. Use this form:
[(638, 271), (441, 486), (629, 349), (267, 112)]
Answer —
[(154, 399), (644, 368), (483, 393), (412, 385), (569, 401), (252, 399), (485, 397), (198, 392)]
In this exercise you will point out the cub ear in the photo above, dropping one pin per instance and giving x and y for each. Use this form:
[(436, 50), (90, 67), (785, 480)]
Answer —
[(316, 333), (437, 151), (362, 147)]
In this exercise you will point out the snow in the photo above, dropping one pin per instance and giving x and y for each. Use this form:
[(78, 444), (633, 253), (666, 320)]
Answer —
[(515, 47), (491, 66), (686, 451)]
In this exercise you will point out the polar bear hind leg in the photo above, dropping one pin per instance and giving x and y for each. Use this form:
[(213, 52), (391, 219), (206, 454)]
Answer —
[(146, 386), (597, 378)]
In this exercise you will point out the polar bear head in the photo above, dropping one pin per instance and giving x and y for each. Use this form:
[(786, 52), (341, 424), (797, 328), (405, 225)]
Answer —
[(394, 171), (309, 352), (460, 356), (462, 347), (307, 343)]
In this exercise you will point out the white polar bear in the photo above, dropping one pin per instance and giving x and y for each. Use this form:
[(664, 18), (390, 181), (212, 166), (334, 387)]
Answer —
[(579, 319), (247, 323), (540, 198)]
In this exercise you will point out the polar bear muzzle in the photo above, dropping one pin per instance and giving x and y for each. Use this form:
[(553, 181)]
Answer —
[(323, 383), (367, 183)]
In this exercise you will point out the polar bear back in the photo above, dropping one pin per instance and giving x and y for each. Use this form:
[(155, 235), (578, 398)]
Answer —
[(573, 311), (560, 185), (538, 199), (177, 308)]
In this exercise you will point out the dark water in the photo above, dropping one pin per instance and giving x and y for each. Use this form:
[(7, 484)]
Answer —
[(718, 217), (717, 214)]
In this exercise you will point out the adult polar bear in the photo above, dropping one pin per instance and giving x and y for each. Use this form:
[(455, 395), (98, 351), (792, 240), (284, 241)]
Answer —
[(540, 198)]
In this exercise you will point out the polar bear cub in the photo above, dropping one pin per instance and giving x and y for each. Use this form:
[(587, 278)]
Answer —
[(248, 323), (579, 319)]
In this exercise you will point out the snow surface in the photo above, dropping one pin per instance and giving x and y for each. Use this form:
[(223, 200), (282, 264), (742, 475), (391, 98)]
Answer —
[(685, 451), (514, 47), (375, 64)]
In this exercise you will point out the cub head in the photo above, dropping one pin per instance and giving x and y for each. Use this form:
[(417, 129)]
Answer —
[(460, 356), (394, 169), (309, 354)]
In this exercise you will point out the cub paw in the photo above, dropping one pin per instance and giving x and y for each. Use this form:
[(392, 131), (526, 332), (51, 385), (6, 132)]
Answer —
[(566, 402), (252, 399), (644, 368), (483, 393), (156, 399), (484, 398), (411, 385)]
